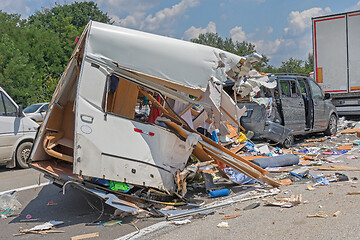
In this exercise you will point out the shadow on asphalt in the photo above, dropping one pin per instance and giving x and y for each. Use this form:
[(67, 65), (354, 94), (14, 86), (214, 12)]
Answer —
[(73, 208)]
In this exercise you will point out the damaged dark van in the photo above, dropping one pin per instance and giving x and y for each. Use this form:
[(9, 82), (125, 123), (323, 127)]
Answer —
[(285, 106)]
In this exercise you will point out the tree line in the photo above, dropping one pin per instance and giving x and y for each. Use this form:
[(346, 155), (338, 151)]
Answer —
[(34, 51)]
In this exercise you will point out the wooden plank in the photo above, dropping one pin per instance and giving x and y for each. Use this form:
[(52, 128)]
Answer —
[(345, 147), (335, 168), (206, 153), (237, 148), (212, 143), (250, 158), (85, 236), (351, 130)]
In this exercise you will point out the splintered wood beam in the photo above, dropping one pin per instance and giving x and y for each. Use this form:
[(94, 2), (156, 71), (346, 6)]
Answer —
[(227, 151), (204, 152), (241, 167)]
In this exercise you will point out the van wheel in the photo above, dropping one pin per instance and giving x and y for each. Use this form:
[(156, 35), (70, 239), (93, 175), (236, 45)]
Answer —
[(289, 141), (22, 154), (332, 127)]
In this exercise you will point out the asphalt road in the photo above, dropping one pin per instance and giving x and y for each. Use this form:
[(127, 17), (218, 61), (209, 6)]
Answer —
[(266, 222), (76, 208)]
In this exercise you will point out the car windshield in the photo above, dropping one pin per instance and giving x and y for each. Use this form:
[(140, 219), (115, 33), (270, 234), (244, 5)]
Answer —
[(32, 108)]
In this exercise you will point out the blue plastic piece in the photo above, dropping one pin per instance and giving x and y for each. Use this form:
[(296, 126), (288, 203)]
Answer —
[(219, 193)]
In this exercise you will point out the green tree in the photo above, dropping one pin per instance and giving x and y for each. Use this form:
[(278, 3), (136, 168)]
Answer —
[(79, 14), (292, 66), (35, 51), (309, 63)]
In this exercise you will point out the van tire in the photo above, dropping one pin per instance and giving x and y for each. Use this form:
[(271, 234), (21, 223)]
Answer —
[(289, 141), (332, 127), (22, 154)]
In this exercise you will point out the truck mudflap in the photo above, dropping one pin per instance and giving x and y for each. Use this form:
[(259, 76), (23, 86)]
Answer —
[(276, 132)]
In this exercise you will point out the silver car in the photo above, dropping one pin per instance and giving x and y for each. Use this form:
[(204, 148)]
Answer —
[(36, 111), (297, 105)]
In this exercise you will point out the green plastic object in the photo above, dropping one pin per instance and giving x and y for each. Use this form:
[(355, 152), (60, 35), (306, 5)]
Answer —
[(116, 186)]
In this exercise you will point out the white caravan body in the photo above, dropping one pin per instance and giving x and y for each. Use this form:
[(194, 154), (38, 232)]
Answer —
[(98, 143)]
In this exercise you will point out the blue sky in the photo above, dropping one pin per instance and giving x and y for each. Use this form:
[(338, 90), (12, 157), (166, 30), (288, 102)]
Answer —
[(280, 29)]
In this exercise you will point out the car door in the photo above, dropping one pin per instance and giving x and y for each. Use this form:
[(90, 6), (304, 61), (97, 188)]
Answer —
[(320, 116), (10, 126), (42, 112), (306, 94), (292, 105)]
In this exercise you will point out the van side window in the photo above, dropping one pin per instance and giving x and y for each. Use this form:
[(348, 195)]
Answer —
[(7, 108), (316, 91), (285, 89), (302, 86), (294, 89), (2, 107)]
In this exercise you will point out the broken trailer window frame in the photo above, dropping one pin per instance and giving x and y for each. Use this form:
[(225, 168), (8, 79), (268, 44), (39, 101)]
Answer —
[(109, 87)]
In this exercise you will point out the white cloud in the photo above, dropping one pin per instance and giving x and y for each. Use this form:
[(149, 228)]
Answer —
[(167, 16), (355, 7), (161, 22), (125, 6), (300, 22), (194, 32), (269, 30), (268, 47), (18, 6), (238, 34)]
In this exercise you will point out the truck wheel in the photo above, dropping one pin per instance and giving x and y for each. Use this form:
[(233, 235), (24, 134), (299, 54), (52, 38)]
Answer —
[(332, 127), (23, 153), (289, 141)]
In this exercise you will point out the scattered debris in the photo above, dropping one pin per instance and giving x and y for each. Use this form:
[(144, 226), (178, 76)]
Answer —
[(42, 228), (8, 204), (317, 140), (230, 217), (300, 172), (353, 193), (310, 188), (284, 202), (51, 203), (219, 193), (336, 213), (223, 225), (252, 206), (319, 214), (181, 222), (85, 236), (286, 181)]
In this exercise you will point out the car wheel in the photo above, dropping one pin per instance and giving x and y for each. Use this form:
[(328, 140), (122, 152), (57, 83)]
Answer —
[(22, 154), (332, 127), (289, 141)]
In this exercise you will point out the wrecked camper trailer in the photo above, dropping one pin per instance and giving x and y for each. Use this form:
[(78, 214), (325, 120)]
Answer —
[(122, 111)]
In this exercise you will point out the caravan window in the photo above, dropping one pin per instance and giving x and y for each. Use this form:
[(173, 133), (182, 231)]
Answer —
[(121, 97), (130, 100)]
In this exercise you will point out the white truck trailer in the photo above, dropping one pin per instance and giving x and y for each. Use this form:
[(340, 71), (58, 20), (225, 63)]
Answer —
[(336, 43)]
